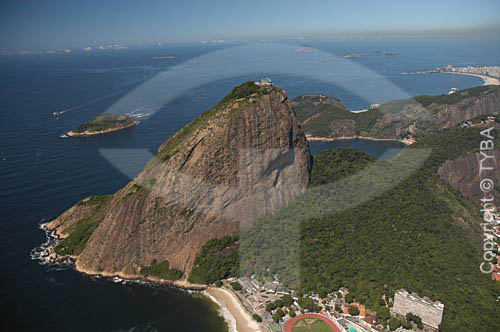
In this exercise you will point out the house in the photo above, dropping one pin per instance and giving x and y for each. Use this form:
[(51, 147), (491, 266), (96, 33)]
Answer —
[(283, 291), (270, 287), (247, 285), (370, 320), (256, 283), (264, 81)]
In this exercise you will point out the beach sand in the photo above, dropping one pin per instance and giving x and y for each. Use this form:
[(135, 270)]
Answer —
[(487, 80), (244, 322)]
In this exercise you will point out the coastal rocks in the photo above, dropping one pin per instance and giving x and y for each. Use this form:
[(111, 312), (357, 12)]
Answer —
[(243, 159)]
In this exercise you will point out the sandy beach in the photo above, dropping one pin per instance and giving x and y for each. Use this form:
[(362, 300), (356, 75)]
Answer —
[(244, 322), (487, 80)]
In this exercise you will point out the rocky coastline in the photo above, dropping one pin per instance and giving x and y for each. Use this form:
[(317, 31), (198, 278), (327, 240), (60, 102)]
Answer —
[(46, 255)]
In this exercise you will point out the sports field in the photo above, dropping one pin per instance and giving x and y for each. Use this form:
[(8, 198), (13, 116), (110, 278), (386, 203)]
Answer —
[(310, 323)]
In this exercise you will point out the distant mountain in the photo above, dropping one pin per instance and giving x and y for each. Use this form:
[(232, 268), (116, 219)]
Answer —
[(324, 116)]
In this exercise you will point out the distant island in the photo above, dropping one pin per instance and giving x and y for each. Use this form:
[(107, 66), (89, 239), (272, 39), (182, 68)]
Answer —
[(357, 55), (103, 124), (305, 48), (164, 57)]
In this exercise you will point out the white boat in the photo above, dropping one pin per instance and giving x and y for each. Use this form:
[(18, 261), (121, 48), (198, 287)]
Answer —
[(63, 136)]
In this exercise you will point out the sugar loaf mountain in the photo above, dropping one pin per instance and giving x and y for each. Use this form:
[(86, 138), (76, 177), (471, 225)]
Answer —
[(243, 159), (225, 194)]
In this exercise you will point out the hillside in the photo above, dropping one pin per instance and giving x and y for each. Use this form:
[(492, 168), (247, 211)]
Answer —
[(398, 118), (381, 226), (243, 159), (102, 124), (323, 116)]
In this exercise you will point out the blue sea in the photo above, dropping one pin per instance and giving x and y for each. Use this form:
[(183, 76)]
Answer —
[(41, 174)]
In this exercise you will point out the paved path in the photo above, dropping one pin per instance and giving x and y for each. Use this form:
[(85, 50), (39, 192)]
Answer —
[(289, 324)]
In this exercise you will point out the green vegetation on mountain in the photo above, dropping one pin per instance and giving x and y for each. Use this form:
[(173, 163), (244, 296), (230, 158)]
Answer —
[(98, 201), (320, 115), (218, 259), (105, 122), (161, 270), (332, 165), (403, 237), (78, 236), (79, 233)]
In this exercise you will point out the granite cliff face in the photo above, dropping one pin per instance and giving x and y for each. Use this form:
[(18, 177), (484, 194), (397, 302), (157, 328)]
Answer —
[(463, 174), (243, 159)]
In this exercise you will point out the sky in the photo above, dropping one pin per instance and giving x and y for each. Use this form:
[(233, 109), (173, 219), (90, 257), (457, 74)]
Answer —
[(45, 24)]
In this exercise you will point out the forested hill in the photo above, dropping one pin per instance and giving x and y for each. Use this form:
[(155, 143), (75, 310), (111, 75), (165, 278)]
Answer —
[(103, 123), (323, 116), (382, 226), (326, 117)]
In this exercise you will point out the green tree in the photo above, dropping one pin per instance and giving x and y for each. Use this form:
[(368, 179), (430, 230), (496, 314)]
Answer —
[(394, 323), (407, 325), (236, 286), (287, 300), (383, 314), (353, 311), (270, 306), (257, 318)]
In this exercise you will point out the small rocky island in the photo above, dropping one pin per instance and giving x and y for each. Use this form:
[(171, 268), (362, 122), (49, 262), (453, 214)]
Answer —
[(305, 48), (102, 124)]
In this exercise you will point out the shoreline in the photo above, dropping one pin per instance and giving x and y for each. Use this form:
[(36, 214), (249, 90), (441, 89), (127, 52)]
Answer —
[(45, 254), (487, 80), (342, 138), (232, 311), (235, 313)]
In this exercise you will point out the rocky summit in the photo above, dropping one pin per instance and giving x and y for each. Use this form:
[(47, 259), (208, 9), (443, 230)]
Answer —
[(243, 159)]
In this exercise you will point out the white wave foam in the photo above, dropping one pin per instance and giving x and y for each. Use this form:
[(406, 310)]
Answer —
[(228, 317)]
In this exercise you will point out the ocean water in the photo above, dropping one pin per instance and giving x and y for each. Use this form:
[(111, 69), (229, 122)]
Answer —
[(42, 175)]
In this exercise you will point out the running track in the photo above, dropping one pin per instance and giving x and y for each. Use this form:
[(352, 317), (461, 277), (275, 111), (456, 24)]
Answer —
[(289, 324)]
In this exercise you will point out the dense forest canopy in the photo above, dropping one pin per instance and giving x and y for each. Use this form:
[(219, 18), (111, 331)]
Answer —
[(380, 226)]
